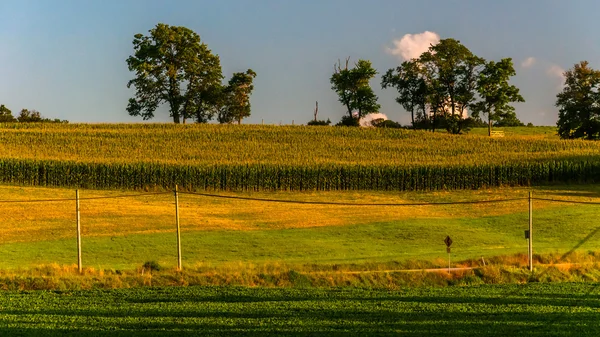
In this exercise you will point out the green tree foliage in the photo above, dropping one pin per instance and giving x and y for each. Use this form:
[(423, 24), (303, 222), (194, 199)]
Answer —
[(172, 66), (6, 115), (445, 82), (235, 98), (497, 94), (579, 103), (412, 89), (319, 122), (29, 116), (451, 71), (353, 88)]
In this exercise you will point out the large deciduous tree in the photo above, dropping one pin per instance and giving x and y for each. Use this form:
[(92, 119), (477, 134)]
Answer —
[(412, 89), (235, 98), (496, 94), (451, 71), (172, 66), (579, 103), (353, 88)]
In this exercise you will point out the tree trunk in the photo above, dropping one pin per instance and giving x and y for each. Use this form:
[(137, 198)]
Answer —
[(489, 126), (412, 116)]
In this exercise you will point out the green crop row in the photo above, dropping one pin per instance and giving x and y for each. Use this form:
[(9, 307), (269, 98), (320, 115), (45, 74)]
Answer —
[(266, 177), (509, 310)]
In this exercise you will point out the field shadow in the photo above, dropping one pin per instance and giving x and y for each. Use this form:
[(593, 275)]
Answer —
[(343, 314)]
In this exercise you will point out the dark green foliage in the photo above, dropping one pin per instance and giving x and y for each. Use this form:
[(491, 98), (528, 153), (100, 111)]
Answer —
[(348, 121), (151, 266), (172, 66), (387, 124), (497, 94), (25, 116), (236, 98), (447, 81), (319, 122), (579, 103), (353, 88), (6, 115), (409, 80)]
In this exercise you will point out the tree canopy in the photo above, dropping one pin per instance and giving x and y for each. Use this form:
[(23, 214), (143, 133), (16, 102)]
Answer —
[(172, 66), (235, 98), (412, 89), (353, 88), (6, 115), (448, 80), (497, 94), (579, 103)]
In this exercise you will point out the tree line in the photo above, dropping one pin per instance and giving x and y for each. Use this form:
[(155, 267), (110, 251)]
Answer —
[(438, 89), (25, 116), (447, 87)]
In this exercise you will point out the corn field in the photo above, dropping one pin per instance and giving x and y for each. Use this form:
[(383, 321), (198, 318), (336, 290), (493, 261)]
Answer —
[(254, 157)]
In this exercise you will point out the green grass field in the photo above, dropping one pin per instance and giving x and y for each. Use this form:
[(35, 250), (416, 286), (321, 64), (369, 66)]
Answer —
[(527, 310), (124, 233)]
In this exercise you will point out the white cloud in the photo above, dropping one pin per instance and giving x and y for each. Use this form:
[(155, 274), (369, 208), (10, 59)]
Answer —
[(530, 61), (556, 72), (411, 46), (367, 121)]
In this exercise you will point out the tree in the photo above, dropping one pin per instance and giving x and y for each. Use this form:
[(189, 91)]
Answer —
[(29, 116), (207, 104), (353, 88), (6, 115), (496, 94), (235, 98), (451, 72), (171, 66), (412, 89), (579, 103)]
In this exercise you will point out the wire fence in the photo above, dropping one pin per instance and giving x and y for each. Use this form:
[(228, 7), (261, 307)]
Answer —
[(109, 232)]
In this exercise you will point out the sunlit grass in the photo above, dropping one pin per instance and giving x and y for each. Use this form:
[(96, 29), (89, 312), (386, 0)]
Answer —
[(126, 232)]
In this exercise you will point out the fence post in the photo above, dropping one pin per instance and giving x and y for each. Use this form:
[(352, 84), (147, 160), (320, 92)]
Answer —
[(178, 232), (79, 266), (530, 232)]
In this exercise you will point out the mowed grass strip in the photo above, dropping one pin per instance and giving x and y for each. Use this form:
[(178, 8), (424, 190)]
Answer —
[(534, 309), (126, 232)]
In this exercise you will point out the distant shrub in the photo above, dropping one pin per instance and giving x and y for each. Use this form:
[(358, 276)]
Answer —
[(348, 121), (389, 124), (152, 266), (319, 122)]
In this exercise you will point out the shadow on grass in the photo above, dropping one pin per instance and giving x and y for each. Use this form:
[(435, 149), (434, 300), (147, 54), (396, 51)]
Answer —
[(475, 311), (382, 323)]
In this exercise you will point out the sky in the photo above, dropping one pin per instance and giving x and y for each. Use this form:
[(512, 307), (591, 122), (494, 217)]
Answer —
[(66, 58)]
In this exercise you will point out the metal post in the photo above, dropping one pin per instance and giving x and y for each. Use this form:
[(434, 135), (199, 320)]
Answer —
[(178, 233), (530, 232), (448, 263), (79, 266)]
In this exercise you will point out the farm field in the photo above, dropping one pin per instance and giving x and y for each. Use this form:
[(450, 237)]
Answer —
[(297, 158), (566, 309), (125, 232)]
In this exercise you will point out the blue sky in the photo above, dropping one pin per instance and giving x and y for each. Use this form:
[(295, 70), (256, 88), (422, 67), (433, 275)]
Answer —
[(66, 58)]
